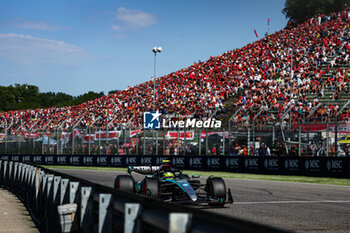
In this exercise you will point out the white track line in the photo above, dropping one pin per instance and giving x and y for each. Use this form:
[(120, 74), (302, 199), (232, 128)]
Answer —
[(233, 179), (291, 182), (288, 202)]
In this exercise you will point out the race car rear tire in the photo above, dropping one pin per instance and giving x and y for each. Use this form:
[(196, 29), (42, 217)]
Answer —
[(151, 187), (216, 188), (124, 183)]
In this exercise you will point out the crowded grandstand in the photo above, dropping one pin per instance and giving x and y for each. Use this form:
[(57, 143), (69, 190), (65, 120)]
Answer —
[(295, 76)]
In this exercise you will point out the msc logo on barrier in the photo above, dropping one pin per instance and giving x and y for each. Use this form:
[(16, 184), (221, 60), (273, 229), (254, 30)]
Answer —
[(146, 161), (334, 164), (88, 160), (131, 161), (213, 162), (312, 164), (74, 160), (116, 161), (151, 120), (49, 159), (232, 162), (179, 161), (251, 163), (196, 162)]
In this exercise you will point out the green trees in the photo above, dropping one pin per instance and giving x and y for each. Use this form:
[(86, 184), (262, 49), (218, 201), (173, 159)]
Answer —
[(28, 97), (297, 11)]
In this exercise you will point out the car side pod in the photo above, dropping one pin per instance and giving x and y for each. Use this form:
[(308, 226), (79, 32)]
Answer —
[(229, 196)]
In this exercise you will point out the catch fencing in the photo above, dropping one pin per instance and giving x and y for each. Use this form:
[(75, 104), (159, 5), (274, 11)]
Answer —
[(62, 203), (302, 140)]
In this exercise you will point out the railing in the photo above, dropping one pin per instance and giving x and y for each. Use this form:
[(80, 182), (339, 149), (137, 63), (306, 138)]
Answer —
[(310, 139), (62, 203)]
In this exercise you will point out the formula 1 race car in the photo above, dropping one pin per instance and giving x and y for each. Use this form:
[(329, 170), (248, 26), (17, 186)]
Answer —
[(171, 185)]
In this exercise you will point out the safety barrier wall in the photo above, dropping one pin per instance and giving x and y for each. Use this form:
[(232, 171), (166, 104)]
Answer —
[(62, 203), (306, 166)]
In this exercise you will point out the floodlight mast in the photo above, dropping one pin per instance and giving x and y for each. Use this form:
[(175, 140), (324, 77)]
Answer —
[(155, 51)]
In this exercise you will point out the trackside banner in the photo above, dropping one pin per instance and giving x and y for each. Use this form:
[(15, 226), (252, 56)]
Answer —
[(306, 166), (181, 135), (104, 135), (342, 128)]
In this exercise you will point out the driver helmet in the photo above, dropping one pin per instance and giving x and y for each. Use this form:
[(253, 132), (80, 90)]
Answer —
[(168, 175)]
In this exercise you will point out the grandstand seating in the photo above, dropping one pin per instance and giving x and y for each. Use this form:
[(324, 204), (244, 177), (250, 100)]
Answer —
[(253, 76)]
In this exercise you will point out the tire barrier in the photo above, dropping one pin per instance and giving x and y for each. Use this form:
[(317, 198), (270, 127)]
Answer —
[(63, 203), (305, 166)]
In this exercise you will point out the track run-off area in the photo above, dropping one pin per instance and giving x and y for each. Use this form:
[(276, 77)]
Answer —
[(298, 207)]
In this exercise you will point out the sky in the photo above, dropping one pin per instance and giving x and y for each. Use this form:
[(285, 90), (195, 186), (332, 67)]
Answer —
[(76, 46)]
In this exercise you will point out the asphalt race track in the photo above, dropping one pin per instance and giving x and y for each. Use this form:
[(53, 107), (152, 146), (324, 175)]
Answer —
[(293, 206)]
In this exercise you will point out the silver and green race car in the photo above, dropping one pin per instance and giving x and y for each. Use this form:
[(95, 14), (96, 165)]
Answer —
[(171, 185)]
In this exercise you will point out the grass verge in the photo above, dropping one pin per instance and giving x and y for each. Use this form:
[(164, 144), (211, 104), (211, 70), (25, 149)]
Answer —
[(298, 179)]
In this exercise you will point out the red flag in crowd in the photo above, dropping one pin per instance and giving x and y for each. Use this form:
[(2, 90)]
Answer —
[(174, 134), (87, 136), (256, 34), (134, 132), (65, 136), (102, 135), (31, 135), (77, 133)]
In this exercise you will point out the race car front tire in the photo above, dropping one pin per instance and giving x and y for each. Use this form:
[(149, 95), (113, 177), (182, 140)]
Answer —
[(151, 187), (124, 183), (216, 188)]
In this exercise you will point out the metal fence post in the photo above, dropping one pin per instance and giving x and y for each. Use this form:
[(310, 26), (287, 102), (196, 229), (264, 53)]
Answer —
[(184, 146), (223, 142), (273, 136), (206, 141), (299, 146), (199, 142), (131, 213), (137, 144), (157, 142), (254, 137), (248, 142), (164, 142), (144, 142), (336, 137), (327, 140)]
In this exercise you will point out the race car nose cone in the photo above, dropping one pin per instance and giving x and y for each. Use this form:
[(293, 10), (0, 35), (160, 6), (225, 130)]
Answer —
[(193, 197)]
